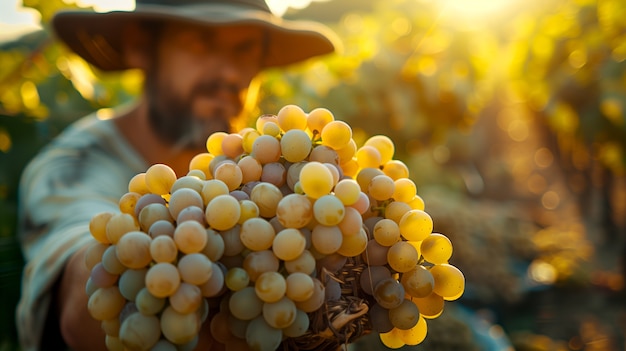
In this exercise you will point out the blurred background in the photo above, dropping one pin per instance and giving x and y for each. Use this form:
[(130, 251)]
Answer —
[(511, 116)]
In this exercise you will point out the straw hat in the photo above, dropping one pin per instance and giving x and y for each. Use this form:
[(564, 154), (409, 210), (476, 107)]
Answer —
[(96, 36)]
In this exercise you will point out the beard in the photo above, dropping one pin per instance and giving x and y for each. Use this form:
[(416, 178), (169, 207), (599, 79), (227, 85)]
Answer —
[(174, 121)]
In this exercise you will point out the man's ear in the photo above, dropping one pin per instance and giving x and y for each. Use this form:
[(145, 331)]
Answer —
[(136, 46)]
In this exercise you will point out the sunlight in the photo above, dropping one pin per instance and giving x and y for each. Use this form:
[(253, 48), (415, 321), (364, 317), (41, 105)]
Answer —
[(474, 10)]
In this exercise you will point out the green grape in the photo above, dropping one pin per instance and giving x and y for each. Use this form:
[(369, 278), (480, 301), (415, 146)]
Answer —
[(236, 278), (299, 326), (147, 303), (139, 331), (94, 254), (404, 316), (187, 182), (244, 304), (179, 328), (261, 336), (111, 327), (161, 227), (151, 213), (131, 282)]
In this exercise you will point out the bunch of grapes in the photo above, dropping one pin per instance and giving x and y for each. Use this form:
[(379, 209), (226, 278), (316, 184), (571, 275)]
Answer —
[(261, 228)]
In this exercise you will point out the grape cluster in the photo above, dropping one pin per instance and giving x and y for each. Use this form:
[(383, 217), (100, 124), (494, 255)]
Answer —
[(256, 226)]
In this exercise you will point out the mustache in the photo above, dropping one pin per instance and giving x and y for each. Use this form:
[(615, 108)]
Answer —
[(215, 87)]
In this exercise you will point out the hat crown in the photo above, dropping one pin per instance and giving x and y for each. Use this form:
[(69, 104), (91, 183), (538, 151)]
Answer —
[(254, 4)]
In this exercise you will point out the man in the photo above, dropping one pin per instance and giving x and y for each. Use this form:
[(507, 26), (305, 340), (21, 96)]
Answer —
[(199, 57)]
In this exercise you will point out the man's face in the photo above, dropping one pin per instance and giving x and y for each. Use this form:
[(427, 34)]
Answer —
[(198, 80)]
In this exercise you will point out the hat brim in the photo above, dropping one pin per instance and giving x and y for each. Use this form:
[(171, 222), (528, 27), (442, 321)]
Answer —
[(96, 37)]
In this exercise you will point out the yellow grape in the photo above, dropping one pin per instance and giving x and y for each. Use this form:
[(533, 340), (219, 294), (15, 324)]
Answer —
[(259, 262), (347, 152), (294, 211), (396, 169), (295, 145), (223, 212), (386, 232), (353, 245), (195, 268), (248, 139), (183, 198), (395, 210), (291, 117), (351, 223), (257, 234), (350, 167), (162, 279), (280, 314), (384, 145), (336, 134), (128, 201), (415, 335), (288, 244), (324, 154), (232, 241), (140, 332), (389, 293), (111, 327), (151, 213), (251, 169), (416, 225), (230, 174), (110, 262), (402, 256), (190, 237), (236, 278), (430, 306), (266, 149), (305, 263), (118, 225), (315, 179), (328, 210), (213, 188), (232, 145), (436, 248), (270, 286), (299, 286), (266, 196), (249, 210), (133, 250), (215, 246), (381, 187), (449, 281), (160, 178), (418, 282), (137, 184), (365, 175), (187, 182), (215, 285), (348, 191), (147, 303), (94, 253), (405, 190), (186, 299), (214, 143), (368, 157), (106, 303), (318, 118), (326, 239), (98, 226), (391, 339), (201, 162), (316, 300), (417, 203)]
